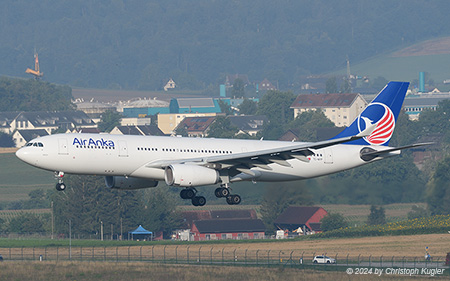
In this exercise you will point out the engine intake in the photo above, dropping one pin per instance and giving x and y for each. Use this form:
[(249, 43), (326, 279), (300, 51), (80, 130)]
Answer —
[(190, 175), (119, 182)]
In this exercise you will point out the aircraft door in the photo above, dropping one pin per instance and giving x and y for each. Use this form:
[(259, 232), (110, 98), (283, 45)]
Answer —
[(328, 155), (123, 149), (63, 149)]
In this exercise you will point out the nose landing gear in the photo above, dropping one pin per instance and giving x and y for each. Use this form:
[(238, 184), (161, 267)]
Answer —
[(60, 186)]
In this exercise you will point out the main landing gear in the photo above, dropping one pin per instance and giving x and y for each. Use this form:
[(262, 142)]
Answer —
[(190, 193), (224, 191), (60, 186)]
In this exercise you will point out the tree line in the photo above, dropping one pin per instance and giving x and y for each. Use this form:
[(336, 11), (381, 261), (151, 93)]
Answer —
[(141, 44)]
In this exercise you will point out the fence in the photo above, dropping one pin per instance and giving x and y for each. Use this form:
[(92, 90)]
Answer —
[(194, 254)]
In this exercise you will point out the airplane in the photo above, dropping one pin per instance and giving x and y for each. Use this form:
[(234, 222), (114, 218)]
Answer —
[(134, 162)]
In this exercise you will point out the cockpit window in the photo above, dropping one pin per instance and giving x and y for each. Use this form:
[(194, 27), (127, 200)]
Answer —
[(35, 144)]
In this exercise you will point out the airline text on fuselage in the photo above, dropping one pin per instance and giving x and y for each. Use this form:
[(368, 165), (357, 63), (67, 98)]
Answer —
[(91, 141)]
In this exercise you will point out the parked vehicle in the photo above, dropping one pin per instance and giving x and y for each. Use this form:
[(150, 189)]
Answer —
[(323, 259), (1, 258)]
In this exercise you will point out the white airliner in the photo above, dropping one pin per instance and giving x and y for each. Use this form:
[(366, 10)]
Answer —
[(132, 162)]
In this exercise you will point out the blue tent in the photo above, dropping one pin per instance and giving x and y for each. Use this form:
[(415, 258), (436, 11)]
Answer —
[(141, 233)]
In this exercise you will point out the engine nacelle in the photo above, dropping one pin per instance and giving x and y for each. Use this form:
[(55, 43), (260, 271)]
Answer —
[(119, 182), (190, 175)]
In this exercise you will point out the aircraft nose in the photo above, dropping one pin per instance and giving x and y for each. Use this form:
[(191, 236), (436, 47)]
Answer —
[(23, 155)]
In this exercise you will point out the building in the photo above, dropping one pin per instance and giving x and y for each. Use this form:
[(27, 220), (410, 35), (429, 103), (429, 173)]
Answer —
[(265, 85), (93, 109), (50, 121), (305, 218), (413, 106), (143, 107), (170, 85), (22, 137), (220, 224), (196, 126), (139, 130), (341, 109), (194, 105), (220, 229), (168, 122), (248, 124)]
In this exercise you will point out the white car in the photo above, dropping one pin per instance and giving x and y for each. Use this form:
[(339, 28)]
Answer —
[(323, 259)]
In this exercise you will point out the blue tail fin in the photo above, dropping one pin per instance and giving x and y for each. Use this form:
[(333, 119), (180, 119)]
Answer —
[(383, 111)]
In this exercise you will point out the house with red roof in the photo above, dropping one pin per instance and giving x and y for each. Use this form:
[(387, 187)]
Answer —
[(305, 218)]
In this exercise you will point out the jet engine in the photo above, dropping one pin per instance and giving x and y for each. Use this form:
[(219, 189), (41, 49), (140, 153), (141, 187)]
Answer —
[(119, 182), (190, 175)]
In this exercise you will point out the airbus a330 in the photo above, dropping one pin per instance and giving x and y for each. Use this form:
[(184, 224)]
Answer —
[(133, 162)]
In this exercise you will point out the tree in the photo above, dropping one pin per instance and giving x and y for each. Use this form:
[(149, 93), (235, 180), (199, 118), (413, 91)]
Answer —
[(331, 86), (379, 83), (109, 120), (248, 107), (159, 213), (225, 107), (26, 223), (377, 216), (88, 204), (276, 106), (238, 88), (417, 212), (222, 128), (308, 121), (346, 86), (278, 197), (438, 189), (332, 221)]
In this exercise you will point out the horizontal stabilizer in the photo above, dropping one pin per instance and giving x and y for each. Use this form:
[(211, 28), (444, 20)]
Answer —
[(368, 154)]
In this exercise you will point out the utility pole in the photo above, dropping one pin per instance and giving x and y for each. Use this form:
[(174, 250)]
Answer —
[(112, 232), (53, 219), (101, 230), (121, 230), (70, 239)]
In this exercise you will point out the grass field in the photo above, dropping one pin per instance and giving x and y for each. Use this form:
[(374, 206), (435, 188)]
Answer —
[(18, 178), (144, 271), (387, 246)]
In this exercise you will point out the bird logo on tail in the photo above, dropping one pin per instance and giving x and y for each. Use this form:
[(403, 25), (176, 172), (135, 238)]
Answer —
[(381, 115)]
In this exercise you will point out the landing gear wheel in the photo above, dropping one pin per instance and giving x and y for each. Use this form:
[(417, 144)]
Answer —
[(60, 186), (224, 192), (233, 199), (188, 193), (199, 201), (217, 192)]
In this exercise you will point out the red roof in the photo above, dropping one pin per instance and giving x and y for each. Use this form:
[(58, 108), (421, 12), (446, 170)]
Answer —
[(324, 100), (196, 124)]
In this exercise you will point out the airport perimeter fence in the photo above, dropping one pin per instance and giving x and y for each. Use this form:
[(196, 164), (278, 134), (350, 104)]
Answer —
[(205, 255)]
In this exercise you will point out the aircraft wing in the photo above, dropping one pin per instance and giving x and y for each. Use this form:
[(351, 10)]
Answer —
[(244, 161)]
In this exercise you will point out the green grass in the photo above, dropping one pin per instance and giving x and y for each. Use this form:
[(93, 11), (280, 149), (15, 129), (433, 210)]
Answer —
[(403, 68), (18, 178)]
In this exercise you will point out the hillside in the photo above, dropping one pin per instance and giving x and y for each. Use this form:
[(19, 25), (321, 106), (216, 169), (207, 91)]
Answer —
[(141, 44), (430, 56)]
